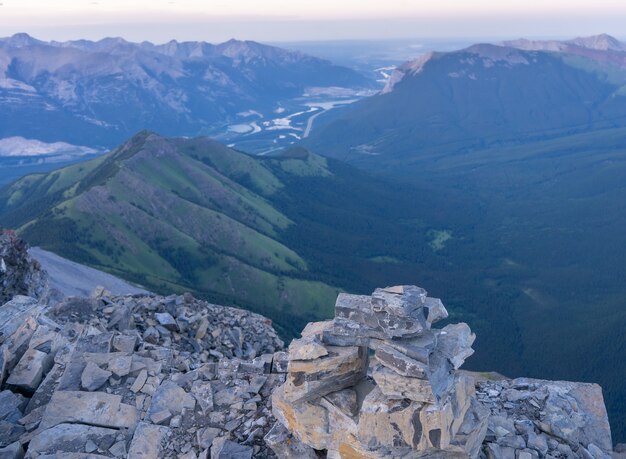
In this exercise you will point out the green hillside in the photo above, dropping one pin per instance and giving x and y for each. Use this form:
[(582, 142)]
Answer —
[(481, 97), (276, 235)]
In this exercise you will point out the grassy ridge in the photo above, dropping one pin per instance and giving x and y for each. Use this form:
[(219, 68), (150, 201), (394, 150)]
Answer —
[(279, 235)]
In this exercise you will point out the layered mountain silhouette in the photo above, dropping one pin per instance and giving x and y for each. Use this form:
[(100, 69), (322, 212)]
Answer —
[(100, 93), (484, 96)]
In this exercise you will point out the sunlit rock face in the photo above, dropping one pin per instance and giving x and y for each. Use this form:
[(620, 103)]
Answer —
[(378, 381)]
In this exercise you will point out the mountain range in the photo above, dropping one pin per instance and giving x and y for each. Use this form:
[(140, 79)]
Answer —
[(100, 93)]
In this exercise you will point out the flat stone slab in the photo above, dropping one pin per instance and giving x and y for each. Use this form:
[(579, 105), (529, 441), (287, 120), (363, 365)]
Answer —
[(93, 408), (397, 386), (401, 363), (12, 314), (307, 348), (94, 377), (71, 438), (381, 317), (170, 397), (148, 441), (310, 379)]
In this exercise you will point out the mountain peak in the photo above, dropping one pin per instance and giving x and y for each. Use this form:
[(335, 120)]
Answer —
[(601, 42), (411, 67), (19, 40)]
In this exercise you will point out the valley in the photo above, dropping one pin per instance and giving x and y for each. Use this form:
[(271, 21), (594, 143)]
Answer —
[(285, 126), (521, 148)]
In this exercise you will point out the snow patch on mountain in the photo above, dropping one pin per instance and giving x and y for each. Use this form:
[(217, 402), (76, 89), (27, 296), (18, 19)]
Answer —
[(19, 146)]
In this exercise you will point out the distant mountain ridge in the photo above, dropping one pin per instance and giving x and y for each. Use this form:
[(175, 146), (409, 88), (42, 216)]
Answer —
[(484, 95), (603, 48), (99, 93)]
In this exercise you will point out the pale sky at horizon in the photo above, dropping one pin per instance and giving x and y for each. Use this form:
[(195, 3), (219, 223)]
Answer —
[(294, 20)]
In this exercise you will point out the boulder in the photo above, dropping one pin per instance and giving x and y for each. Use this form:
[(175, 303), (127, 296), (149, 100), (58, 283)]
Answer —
[(30, 370)]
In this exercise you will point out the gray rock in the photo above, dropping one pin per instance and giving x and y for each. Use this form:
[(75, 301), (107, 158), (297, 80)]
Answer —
[(161, 417), (118, 449), (11, 406), (206, 436), (384, 315), (9, 432), (124, 343), (140, 380), (280, 361), (30, 370), (345, 400), (68, 438), (151, 335), (286, 446), (90, 446), (92, 408), (310, 379), (14, 312), (93, 377), (148, 441), (396, 386), (166, 320), (203, 394), (172, 398), (227, 449), (401, 363), (537, 442), (120, 366), (12, 451), (455, 342), (436, 311), (307, 348)]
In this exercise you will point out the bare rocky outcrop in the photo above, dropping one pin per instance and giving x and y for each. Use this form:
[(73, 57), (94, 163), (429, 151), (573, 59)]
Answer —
[(138, 376), (379, 382), (19, 273)]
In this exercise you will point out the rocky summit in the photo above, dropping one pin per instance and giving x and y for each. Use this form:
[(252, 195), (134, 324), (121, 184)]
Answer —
[(147, 376), (378, 381)]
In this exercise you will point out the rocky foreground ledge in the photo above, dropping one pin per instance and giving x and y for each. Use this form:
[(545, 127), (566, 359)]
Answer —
[(146, 376), (378, 381)]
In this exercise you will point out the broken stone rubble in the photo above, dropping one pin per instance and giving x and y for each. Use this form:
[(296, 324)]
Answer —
[(82, 382)]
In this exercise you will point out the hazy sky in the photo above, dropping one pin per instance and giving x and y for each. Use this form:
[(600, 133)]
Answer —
[(292, 20)]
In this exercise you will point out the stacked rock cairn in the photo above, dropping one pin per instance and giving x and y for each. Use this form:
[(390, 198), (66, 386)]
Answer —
[(377, 381)]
